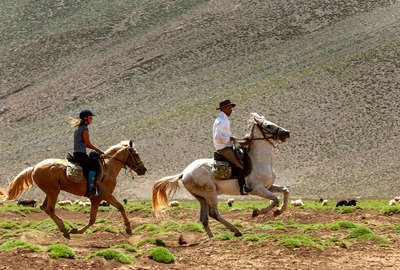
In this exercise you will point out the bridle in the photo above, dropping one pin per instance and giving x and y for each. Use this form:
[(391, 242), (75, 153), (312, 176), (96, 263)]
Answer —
[(135, 157), (264, 138)]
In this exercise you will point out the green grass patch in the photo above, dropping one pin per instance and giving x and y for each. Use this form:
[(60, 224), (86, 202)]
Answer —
[(390, 210), (103, 220), (365, 233), (171, 226), (162, 255), (297, 240), (336, 241), (60, 251), (17, 243), (154, 241), (103, 228), (256, 237), (193, 227), (22, 210), (309, 227), (396, 229), (224, 236), (152, 228), (113, 254), (336, 225), (127, 247)]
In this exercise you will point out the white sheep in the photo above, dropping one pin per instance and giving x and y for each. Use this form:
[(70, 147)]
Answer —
[(174, 204), (392, 202), (324, 203), (83, 203), (298, 202), (66, 202)]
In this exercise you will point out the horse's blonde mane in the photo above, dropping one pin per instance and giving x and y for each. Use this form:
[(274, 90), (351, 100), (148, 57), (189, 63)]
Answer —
[(113, 149)]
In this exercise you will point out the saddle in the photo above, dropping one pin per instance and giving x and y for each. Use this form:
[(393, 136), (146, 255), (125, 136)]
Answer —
[(74, 171), (222, 169)]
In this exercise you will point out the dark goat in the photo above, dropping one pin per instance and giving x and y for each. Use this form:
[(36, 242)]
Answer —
[(31, 203), (341, 203), (125, 201), (352, 203), (104, 204)]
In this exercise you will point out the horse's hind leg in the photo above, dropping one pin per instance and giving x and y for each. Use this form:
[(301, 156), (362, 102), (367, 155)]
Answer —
[(51, 200), (44, 204), (285, 192), (204, 212), (214, 213), (94, 206)]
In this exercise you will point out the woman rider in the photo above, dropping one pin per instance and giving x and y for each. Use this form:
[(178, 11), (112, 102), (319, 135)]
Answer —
[(81, 142)]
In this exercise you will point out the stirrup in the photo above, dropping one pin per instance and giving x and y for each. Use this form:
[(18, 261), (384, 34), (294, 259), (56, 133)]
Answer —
[(245, 190)]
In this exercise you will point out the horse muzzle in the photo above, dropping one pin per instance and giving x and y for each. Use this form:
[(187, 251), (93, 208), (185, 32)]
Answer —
[(285, 135), (141, 171)]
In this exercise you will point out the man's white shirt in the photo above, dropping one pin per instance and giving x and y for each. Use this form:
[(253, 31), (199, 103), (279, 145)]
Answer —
[(222, 132)]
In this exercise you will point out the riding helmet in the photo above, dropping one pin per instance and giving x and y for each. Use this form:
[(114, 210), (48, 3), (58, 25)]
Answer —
[(85, 113)]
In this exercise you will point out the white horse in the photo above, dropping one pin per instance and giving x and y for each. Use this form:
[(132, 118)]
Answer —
[(199, 180)]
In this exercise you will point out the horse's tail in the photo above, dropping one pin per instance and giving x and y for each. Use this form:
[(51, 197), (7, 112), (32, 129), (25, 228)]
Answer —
[(160, 197), (22, 182)]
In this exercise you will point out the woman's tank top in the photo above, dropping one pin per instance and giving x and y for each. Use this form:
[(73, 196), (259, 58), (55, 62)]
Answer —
[(79, 144)]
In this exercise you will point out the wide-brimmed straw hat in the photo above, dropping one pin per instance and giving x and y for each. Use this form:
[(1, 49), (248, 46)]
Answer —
[(225, 103)]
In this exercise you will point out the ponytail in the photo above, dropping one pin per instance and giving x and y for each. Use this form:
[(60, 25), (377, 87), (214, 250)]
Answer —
[(75, 122)]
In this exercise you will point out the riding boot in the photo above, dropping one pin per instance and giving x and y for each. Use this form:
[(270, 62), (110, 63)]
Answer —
[(244, 190), (91, 186)]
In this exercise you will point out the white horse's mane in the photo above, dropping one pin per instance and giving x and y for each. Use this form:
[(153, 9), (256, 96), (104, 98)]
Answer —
[(256, 118)]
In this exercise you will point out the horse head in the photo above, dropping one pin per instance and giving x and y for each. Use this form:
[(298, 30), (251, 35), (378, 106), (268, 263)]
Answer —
[(125, 153), (133, 160), (269, 129)]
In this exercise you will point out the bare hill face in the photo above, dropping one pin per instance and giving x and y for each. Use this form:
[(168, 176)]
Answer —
[(155, 72)]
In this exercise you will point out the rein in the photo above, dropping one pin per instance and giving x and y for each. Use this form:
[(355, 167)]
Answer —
[(124, 159), (269, 139)]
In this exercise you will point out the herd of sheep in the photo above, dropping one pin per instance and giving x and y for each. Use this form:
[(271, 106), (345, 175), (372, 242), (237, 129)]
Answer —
[(295, 203)]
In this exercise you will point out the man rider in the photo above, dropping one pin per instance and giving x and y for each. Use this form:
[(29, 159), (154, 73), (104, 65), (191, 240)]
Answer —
[(223, 142)]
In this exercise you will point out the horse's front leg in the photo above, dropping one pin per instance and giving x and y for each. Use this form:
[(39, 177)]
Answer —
[(114, 202), (261, 191), (94, 206), (285, 192)]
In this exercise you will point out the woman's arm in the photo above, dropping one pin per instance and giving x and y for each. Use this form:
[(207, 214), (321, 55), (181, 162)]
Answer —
[(85, 135)]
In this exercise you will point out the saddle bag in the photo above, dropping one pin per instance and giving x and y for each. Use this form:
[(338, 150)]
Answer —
[(74, 173), (221, 168)]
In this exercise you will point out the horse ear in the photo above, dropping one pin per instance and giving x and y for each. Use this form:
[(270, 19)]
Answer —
[(130, 143)]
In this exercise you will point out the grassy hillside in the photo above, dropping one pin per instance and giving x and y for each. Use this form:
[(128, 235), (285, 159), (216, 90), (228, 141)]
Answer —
[(154, 71)]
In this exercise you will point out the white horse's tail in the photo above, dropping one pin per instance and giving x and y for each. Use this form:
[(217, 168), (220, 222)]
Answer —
[(19, 185), (160, 197)]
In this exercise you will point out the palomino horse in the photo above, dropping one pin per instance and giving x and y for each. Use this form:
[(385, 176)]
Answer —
[(198, 179), (49, 175)]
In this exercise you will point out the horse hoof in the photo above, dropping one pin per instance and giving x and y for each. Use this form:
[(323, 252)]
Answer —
[(255, 213), (237, 234), (277, 213), (66, 235), (129, 231)]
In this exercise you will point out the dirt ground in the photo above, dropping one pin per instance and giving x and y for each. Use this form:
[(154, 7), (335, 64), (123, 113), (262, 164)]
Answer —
[(203, 253)]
